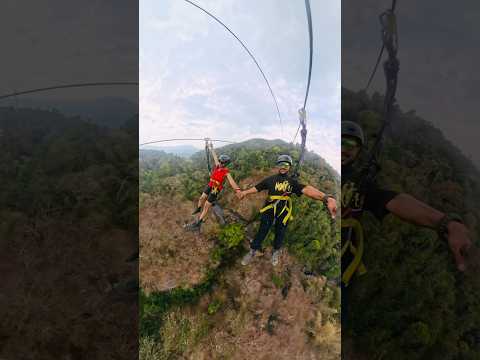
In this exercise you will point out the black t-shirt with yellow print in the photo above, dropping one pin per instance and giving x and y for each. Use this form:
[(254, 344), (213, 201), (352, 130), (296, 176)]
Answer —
[(280, 184), (373, 199)]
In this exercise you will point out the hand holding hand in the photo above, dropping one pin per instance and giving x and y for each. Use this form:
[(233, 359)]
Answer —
[(240, 194)]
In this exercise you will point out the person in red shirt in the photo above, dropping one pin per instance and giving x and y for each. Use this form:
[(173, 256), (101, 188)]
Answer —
[(209, 196)]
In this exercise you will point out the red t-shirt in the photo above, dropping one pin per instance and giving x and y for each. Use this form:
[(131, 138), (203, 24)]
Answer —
[(218, 177)]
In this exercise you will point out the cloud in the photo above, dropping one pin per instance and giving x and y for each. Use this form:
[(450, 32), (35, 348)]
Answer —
[(197, 81)]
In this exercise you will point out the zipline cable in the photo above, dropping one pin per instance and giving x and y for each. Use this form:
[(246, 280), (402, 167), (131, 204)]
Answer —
[(76, 85), (310, 33), (249, 53), (310, 65), (189, 139), (302, 112)]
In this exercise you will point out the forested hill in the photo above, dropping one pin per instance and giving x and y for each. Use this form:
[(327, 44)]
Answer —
[(68, 219), (422, 308), (252, 154), (198, 301)]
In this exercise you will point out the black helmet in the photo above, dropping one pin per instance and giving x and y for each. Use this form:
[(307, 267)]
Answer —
[(350, 128), (224, 159), (285, 158)]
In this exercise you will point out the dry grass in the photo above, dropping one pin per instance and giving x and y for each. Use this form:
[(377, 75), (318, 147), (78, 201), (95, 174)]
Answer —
[(254, 320)]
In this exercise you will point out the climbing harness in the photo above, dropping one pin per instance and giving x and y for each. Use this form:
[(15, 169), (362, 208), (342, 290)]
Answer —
[(249, 53), (288, 207), (369, 172), (357, 250), (216, 208)]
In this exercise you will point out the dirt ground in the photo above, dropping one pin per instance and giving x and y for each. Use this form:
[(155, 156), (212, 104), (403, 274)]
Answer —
[(50, 309), (257, 321)]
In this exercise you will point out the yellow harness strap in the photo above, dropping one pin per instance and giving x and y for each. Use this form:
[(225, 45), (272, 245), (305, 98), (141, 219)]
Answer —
[(356, 266), (287, 207), (215, 188)]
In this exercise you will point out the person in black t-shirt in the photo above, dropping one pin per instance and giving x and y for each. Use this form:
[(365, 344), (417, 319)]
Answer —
[(381, 202), (278, 206)]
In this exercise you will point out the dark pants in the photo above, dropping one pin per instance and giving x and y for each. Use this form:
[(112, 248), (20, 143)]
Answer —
[(266, 222)]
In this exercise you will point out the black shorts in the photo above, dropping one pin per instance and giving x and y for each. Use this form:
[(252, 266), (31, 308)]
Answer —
[(212, 194)]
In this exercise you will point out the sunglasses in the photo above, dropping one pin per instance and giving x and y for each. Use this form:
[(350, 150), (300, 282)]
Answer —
[(284, 165), (349, 144)]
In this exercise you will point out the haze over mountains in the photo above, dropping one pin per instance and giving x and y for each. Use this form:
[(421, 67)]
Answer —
[(110, 112)]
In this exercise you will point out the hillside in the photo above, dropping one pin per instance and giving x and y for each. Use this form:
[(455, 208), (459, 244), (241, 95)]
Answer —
[(413, 303), (67, 223), (111, 112), (198, 302)]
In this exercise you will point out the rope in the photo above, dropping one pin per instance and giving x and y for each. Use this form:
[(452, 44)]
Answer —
[(165, 140), (249, 53), (374, 71), (302, 111), (310, 33), (207, 154), (78, 85), (295, 137), (379, 57)]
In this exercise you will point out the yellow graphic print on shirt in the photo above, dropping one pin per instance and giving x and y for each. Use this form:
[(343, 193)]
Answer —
[(350, 196), (283, 186)]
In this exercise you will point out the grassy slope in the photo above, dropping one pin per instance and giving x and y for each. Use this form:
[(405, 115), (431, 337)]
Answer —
[(244, 313)]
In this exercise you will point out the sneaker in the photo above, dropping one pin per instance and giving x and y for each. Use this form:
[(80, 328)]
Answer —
[(194, 226), (197, 211), (248, 257), (275, 257)]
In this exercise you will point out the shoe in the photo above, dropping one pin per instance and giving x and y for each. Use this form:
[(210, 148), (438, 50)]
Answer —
[(197, 211), (194, 226), (275, 257), (248, 258)]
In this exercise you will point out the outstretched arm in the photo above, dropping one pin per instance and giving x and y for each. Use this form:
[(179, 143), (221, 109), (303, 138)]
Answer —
[(416, 212), (233, 184), (316, 194), (244, 193)]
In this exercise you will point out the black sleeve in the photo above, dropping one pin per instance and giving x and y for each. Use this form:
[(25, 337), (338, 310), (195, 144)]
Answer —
[(297, 187), (377, 200), (263, 185)]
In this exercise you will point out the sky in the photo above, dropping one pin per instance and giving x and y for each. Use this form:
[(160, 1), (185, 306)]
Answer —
[(68, 42), (197, 81), (438, 54)]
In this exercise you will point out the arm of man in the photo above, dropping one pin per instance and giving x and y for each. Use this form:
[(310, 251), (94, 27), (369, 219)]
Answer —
[(416, 212), (244, 193), (316, 194)]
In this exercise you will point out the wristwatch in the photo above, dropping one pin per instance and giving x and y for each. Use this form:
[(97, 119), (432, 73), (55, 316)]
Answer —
[(442, 226)]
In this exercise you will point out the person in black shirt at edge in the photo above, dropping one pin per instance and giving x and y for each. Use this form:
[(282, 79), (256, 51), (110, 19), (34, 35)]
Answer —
[(381, 202), (278, 206)]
